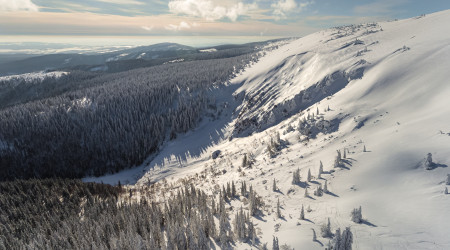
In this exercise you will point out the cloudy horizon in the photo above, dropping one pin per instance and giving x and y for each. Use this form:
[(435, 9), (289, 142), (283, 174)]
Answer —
[(196, 17)]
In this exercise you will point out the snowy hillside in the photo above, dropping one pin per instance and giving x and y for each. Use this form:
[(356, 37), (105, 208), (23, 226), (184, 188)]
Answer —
[(376, 92)]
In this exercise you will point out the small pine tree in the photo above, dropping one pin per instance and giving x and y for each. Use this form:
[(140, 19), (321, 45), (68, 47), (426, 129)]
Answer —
[(264, 246), (446, 190), (243, 188), (346, 239), (326, 230), (302, 213), (306, 192), (319, 191), (278, 208), (328, 108), (364, 150), (345, 154), (325, 187), (309, 175), (275, 245), (429, 162), (337, 240), (274, 186), (296, 177), (317, 111), (320, 170), (244, 161), (233, 189), (277, 139), (357, 215), (337, 161)]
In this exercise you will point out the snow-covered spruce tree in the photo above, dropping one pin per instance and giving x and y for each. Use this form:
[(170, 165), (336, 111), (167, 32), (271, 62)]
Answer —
[(233, 189), (244, 161), (306, 192), (309, 175), (343, 241), (325, 187), (255, 202), (302, 214), (429, 162), (345, 154), (243, 189), (271, 151), (325, 230), (296, 177), (224, 194), (364, 150), (320, 170), (356, 215), (264, 246), (448, 179), (319, 191), (338, 160), (274, 185), (347, 239), (275, 245), (223, 225), (240, 230), (251, 231), (213, 206), (278, 209)]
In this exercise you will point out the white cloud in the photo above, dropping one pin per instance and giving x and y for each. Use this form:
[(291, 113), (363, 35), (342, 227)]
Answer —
[(379, 7), (123, 2), (209, 10), (148, 28), (18, 5), (283, 7), (182, 26)]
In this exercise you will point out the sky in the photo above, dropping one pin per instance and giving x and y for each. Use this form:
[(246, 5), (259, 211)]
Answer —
[(198, 17)]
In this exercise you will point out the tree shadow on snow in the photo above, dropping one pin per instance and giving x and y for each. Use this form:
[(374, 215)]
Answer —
[(318, 241), (309, 196), (279, 191), (342, 166), (282, 218), (347, 161), (365, 222), (259, 217), (302, 184), (310, 221), (332, 194), (437, 165)]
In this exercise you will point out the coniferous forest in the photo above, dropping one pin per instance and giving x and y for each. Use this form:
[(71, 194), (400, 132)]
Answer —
[(96, 124)]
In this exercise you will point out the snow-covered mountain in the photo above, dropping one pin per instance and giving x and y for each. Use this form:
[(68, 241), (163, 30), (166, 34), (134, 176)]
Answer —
[(376, 92)]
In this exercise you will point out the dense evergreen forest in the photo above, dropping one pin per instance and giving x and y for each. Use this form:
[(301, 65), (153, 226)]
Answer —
[(91, 124), (70, 214)]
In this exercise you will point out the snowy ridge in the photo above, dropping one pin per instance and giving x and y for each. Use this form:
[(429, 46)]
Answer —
[(35, 76), (377, 92)]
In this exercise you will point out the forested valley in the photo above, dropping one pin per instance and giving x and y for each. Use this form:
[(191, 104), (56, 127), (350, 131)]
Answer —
[(97, 124)]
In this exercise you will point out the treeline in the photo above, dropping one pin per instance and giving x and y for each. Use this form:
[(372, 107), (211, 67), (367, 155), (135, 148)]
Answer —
[(113, 124), (69, 214), (20, 90)]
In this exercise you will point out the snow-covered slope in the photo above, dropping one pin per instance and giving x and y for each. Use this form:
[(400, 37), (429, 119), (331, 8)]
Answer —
[(383, 87)]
